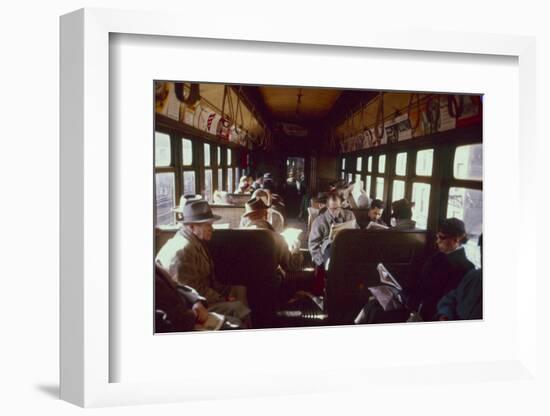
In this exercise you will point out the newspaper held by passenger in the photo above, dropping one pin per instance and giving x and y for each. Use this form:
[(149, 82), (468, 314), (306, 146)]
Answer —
[(336, 228), (388, 292), (375, 226), (213, 323)]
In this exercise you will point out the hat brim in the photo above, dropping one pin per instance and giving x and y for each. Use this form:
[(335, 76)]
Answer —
[(211, 219)]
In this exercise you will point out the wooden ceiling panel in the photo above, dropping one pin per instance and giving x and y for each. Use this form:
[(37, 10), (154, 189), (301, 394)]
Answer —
[(298, 104)]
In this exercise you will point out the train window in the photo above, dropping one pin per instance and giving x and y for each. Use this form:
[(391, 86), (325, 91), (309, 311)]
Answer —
[(206, 154), (401, 164), (229, 157), (165, 197), (367, 184), (189, 182), (398, 190), (162, 149), (343, 175), (369, 164), (359, 164), (219, 155), (343, 163), (187, 152), (424, 162), (468, 161), (421, 198), (230, 179), (208, 184), (381, 163), (237, 177), (467, 205), (350, 177), (379, 188), (220, 180), (357, 177)]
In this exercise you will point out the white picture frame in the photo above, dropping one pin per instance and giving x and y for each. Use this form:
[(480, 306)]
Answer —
[(85, 346)]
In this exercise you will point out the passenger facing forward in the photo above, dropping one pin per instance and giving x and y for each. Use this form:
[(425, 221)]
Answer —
[(319, 242), (255, 217), (188, 261)]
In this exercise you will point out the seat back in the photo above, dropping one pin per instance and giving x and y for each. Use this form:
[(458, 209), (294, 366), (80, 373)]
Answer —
[(248, 257), (355, 254), (230, 214)]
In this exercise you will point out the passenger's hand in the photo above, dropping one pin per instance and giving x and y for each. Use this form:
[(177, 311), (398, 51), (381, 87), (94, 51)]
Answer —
[(200, 312)]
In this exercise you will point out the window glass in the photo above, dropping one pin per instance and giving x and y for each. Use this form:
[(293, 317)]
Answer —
[(381, 163), (401, 164), (165, 197), (220, 180), (230, 179), (369, 164), (208, 184), (359, 164), (468, 162), (229, 160), (398, 190), (237, 177), (187, 152), (343, 175), (350, 177), (424, 162), (207, 155), (189, 182), (367, 185), (219, 155), (467, 205), (343, 163), (357, 177), (162, 149), (421, 198), (379, 188)]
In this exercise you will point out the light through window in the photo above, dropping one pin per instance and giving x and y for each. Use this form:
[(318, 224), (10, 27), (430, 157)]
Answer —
[(398, 190), (467, 205), (165, 197), (401, 164), (468, 162), (189, 182), (206, 154), (230, 179), (359, 164), (229, 162), (187, 152), (208, 184), (220, 180), (424, 162), (367, 185), (162, 149), (381, 163), (421, 198), (379, 188)]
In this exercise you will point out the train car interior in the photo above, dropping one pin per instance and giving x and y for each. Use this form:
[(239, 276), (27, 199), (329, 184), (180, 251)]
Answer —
[(289, 206)]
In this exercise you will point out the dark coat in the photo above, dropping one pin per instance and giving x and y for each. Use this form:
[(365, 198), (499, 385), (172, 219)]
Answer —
[(441, 274), (173, 304), (464, 302)]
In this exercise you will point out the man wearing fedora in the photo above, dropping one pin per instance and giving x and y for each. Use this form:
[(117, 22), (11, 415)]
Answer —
[(255, 217), (188, 261)]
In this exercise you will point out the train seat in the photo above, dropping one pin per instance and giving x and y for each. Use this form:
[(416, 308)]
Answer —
[(355, 255), (230, 214)]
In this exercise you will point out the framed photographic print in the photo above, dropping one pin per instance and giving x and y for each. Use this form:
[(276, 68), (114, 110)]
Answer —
[(270, 203)]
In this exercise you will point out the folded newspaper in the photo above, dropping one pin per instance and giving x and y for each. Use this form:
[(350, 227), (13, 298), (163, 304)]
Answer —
[(388, 293), (213, 323), (375, 226), (336, 228)]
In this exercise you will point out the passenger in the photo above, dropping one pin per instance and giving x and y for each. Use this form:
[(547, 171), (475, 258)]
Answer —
[(374, 213), (402, 215), (188, 261), (359, 196), (319, 241), (466, 301), (180, 310), (244, 186), (264, 195), (442, 272), (255, 217), (268, 182), (257, 184)]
